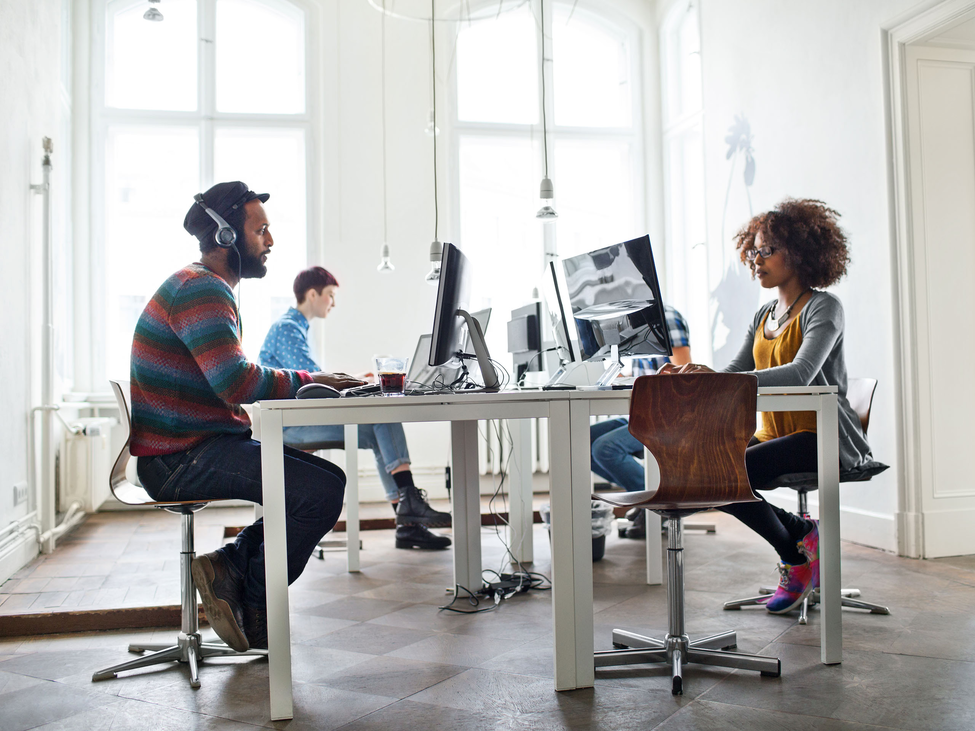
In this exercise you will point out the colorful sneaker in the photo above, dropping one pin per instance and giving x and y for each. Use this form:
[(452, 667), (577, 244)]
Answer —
[(809, 547), (795, 584)]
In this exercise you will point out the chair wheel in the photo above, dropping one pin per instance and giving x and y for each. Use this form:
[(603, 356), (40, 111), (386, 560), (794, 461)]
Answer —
[(678, 688), (622, 532)]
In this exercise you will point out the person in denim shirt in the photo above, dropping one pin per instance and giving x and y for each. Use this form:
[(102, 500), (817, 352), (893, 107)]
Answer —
[(286, 346)]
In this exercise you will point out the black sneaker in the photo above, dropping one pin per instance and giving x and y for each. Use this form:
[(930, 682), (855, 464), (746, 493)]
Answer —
[(413, 509), (417, 536), (638, 528), (255, 627), (220, 592)]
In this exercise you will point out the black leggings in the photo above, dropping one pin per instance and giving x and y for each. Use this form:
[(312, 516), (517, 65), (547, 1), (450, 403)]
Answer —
[(765, 461)]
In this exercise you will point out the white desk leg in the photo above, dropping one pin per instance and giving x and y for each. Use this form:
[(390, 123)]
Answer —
[(352, 496), (521, 514), (831, 643), (651, 480), (571, 496), (466, 504), (276, 566)]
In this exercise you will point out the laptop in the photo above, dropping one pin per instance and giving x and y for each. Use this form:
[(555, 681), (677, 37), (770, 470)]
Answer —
[(421, 373)]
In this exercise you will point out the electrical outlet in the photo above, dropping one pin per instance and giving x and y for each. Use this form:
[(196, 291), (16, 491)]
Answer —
[(20, 493)]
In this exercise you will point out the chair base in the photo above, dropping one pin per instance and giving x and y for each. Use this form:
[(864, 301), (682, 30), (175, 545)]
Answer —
[(633, 649), (189, 648), (848, 598)]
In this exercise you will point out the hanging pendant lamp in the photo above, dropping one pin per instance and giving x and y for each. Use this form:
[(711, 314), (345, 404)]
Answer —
[(546, 191)]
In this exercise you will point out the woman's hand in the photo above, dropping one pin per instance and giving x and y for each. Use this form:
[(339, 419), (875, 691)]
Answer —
[(340, 381), (671, 369)]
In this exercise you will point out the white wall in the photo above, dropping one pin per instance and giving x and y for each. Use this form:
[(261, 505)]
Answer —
[(809, 78), (29, 88)]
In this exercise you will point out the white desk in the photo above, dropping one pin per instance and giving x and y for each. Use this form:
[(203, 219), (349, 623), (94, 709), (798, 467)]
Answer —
[(570, 488)]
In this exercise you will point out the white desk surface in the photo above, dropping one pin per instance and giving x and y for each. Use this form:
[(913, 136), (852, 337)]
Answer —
[(569, 413)]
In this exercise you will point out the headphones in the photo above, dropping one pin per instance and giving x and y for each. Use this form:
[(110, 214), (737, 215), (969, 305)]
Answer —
[(225, 237)]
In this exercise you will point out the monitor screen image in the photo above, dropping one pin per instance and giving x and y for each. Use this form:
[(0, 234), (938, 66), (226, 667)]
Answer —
[(615, 299)]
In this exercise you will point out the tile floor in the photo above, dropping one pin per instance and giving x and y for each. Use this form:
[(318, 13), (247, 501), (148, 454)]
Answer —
[(371, 651)]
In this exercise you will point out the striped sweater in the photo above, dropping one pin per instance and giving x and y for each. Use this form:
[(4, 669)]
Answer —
[(189, 372)]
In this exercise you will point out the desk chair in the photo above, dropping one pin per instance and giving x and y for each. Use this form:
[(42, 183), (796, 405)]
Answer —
[(697, 427), (189, 647), (860, 393)]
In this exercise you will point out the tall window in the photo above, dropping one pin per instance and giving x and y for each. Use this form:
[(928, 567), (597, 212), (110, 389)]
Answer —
[(216, 91), (595, 149), (683, 148)]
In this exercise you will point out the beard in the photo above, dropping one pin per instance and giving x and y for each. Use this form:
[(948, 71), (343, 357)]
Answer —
[(250, 265)]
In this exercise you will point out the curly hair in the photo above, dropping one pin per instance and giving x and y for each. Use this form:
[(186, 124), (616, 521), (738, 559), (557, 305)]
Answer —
[(807, 234)]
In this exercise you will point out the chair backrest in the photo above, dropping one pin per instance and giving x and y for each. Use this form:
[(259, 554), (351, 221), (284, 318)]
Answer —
[(124, 489), (697, 427), (859, 392)]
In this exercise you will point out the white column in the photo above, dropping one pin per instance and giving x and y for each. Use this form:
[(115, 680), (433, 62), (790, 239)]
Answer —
[(521, 515), (352, 496), (831, 644), (466, 504), (276, 565)]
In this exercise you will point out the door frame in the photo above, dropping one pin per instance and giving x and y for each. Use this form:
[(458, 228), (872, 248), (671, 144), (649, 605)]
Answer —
[(911, 28)]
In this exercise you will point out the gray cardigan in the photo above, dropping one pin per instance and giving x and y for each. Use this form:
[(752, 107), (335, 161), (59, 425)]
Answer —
[(819, 362)]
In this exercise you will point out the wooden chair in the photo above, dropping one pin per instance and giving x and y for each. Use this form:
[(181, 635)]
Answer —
[(697, 427), (860, 393), (190, 647)]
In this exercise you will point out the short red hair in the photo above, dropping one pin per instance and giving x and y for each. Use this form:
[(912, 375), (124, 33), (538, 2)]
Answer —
[(317, 278)]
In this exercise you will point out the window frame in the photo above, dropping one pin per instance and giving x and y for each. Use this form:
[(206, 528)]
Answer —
[(206, 120), (613, 22)]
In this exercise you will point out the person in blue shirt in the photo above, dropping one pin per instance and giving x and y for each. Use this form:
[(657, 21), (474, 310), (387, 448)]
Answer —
[(613, 450), (286, 346)]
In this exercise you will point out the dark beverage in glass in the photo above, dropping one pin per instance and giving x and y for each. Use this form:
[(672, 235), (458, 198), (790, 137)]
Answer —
[(392, 383)]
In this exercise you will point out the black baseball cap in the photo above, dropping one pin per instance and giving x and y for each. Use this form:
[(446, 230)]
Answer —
[(224, 198)]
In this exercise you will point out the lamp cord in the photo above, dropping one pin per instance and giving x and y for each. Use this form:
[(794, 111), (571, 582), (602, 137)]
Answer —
[(383, 84), (544, 120), (433, 53)]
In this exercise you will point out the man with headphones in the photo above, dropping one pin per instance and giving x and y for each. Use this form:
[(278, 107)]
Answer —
[(190, 434)]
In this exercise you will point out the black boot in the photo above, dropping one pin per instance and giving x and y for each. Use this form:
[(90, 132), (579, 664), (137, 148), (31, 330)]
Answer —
[(638, 529), (255, 627), (413, 509), (417, 536)]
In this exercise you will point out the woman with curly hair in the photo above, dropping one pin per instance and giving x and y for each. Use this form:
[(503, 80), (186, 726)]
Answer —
[(796, 339)]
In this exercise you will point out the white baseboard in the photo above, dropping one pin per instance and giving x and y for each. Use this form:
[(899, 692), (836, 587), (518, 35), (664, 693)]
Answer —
[(948, 533), (17, 555), (876, 530)]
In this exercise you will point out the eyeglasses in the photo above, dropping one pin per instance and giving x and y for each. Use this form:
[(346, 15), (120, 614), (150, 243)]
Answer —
[(765, 252)]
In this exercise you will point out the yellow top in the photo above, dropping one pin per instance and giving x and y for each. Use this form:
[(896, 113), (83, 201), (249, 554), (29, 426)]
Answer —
[(771, 352)]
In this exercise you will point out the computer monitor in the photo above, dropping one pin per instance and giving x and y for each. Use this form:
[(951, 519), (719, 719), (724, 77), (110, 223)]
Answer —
[(616, 305), (525, 340), (452, 323), (423, 374)]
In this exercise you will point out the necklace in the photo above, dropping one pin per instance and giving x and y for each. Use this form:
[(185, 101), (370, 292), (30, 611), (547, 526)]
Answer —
[(774, 321)]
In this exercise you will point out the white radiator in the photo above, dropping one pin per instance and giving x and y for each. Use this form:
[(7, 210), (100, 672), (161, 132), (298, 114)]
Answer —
[(84, 462)]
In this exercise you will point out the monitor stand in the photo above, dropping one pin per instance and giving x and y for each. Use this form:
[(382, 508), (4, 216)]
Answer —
[(488, 372), (615, 367)]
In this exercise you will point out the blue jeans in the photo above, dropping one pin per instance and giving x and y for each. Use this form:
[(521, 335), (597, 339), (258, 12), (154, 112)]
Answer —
[(229, 467), (387, 442), (613, 452)]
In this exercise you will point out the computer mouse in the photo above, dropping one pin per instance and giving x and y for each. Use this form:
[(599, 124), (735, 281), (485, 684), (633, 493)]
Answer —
[(318, 390)]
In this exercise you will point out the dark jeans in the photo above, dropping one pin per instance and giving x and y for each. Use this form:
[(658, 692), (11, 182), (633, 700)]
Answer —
[(765, 461), (229, 467)]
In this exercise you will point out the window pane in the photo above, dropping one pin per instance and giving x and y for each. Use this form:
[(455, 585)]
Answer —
[(269, 161), (151, 175), (151, 65), (498, 200), (681, 55), (594, 195), (497, 69), (592, 72), (271, 81)]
